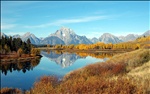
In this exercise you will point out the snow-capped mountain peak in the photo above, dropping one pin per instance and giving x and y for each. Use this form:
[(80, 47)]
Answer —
[(16, 36), (4, 35), (63, 32), (109, 38), (27, 34), (129, 37), (32, 37), (147, 33), (69, 37), (66, 29)]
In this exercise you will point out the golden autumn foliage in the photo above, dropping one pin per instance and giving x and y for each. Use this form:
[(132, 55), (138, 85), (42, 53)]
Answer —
[(10, 91), (115, 76), (96, 55), (19, 52), (142, 42), (100, 46), (126, 73), (35, 52), (143, 39), (48, 45)]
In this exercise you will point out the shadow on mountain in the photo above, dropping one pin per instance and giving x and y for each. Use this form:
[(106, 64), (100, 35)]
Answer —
[(19, 66)]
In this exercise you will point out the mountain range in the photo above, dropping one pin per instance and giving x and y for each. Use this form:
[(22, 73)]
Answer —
[(68, 36), (107, 38)]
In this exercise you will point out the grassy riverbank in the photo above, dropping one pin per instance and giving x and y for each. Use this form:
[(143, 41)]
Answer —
[(126, 73), (114, 76), (12, 57)]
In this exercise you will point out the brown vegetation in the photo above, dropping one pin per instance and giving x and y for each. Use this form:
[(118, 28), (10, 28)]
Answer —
[(112, 77), (19, 52), (35, 52), (10, 91), (126, 73)]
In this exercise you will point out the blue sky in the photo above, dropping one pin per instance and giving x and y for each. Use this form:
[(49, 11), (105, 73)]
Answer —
[(89, 18)]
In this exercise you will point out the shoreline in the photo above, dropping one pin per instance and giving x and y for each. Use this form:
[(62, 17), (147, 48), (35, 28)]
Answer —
[(89, 50), (20, 59)]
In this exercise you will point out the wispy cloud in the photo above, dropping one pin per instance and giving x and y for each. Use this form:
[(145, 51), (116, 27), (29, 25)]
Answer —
[(7, 26), (86, 19), (69, 21)]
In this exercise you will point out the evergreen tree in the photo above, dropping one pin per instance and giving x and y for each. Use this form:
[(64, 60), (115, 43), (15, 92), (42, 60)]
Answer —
[(8, 44), (28, 45)]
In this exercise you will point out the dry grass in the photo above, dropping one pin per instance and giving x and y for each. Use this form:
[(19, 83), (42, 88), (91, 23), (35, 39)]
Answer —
[(126, 73), (141, 75), (45, 85), (132, 59), (10, 91)]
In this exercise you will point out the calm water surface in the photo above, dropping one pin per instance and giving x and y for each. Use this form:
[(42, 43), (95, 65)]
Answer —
[(23, 75)]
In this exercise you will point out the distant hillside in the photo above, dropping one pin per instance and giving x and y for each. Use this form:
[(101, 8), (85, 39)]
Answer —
[(94, 40), (109, 38), (129, 37), (53, 40), (147, 33), (32, 37), (144, 41)]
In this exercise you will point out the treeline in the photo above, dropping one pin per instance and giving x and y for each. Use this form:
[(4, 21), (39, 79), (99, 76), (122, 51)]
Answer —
[(96, 55), (141, 42), (85, 54), (144, 41), (98, 45), (9, 45)]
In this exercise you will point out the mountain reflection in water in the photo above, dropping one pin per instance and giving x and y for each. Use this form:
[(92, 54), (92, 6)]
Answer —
[(24, 74), (65, 59)]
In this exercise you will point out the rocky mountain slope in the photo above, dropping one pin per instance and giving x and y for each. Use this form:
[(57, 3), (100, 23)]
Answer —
[(67, 36)]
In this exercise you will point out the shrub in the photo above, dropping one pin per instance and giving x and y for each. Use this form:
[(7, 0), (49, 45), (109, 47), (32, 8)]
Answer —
[(19, 52), (46, 85), (10, 91), (110, 77), (35, 52)]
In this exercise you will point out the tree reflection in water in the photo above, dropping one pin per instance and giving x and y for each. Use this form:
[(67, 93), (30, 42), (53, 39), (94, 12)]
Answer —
[(99, 55), (65, 59), (96, 54), (19, 66)]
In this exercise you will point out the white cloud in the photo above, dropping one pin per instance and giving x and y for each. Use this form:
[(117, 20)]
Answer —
[(69, 21), (86, 19), (7, 26)]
